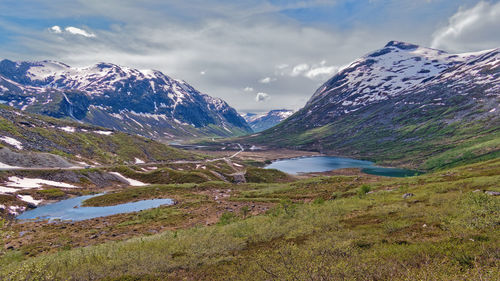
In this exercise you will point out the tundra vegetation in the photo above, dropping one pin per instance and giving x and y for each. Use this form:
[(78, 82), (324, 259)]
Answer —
[(342, 227)]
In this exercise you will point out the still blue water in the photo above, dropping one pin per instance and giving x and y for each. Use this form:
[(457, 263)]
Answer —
[(328, 163), (65, 209)]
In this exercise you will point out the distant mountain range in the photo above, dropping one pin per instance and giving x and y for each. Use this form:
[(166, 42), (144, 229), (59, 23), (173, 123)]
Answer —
[(261, 122), (143, 102), (404, 103)]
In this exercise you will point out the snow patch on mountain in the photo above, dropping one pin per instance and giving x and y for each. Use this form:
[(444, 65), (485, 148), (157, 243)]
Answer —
[(139, 161), (106, 133), (5, 166), (12, 141), (68, 129), (29, 183), (29, 199), (4, 190), (130, 181), (401, 68)]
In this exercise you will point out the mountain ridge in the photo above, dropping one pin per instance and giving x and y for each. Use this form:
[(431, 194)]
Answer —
[(116, 97)]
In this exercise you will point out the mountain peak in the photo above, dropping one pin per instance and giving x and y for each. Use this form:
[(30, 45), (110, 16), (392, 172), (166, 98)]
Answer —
[(103, 65), (53, 62), (401, 45), (392, 70)]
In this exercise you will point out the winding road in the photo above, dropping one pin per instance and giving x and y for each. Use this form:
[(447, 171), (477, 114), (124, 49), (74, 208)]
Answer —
[(140, 164)]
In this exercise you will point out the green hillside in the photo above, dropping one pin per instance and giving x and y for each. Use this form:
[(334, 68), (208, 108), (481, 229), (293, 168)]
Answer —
[(80, 142)]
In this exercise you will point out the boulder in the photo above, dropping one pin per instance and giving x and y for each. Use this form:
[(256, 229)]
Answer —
[(492, 193), (408, 195)]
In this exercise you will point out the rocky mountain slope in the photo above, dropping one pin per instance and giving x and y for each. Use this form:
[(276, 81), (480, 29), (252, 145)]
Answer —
[(30, 140), (403, 103), (261, 122), (143, 102)]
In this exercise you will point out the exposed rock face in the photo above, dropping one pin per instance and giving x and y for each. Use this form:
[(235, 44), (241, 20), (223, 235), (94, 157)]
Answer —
[(145, 102), (32, 160)]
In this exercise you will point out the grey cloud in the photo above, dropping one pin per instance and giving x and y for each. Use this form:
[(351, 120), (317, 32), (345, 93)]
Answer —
[(248, 52), (476, 28), (260, 97), (236, 43)]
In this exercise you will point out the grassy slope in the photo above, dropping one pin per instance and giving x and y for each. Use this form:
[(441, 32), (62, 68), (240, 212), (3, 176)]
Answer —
[(41, 135), (444, 232), (424, 142)]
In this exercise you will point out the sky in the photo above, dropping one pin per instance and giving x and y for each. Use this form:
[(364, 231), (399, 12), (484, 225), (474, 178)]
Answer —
[(257, 55)]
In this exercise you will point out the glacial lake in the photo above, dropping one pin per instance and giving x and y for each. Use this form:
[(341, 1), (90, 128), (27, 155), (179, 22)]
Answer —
[(327, 163), (70, 209)]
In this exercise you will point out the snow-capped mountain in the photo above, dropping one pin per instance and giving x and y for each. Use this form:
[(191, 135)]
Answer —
[(145, 102), (401, 69), (261, 122), (397, 99)]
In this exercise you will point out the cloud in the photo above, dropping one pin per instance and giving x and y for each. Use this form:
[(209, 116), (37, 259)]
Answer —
[(476, 28), (203, 72), (248, 89), (267, 80), (321, 72), (236, 42), (56, 29), (261, 97), (299, 69), (78, 31), (316, 72), (71, 30)]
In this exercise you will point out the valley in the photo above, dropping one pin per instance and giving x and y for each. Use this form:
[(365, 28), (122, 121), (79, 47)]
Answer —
[(402, 105), (261, 122), (390, 171), (218, 228)]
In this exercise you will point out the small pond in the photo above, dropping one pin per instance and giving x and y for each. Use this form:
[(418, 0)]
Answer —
[(70, 209), (328, 163)]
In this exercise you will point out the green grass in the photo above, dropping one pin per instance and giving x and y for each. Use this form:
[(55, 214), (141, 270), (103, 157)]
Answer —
[(168, 175), (167, 216), (136, 194), (259, 175), (446, 231), (51, 194)]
